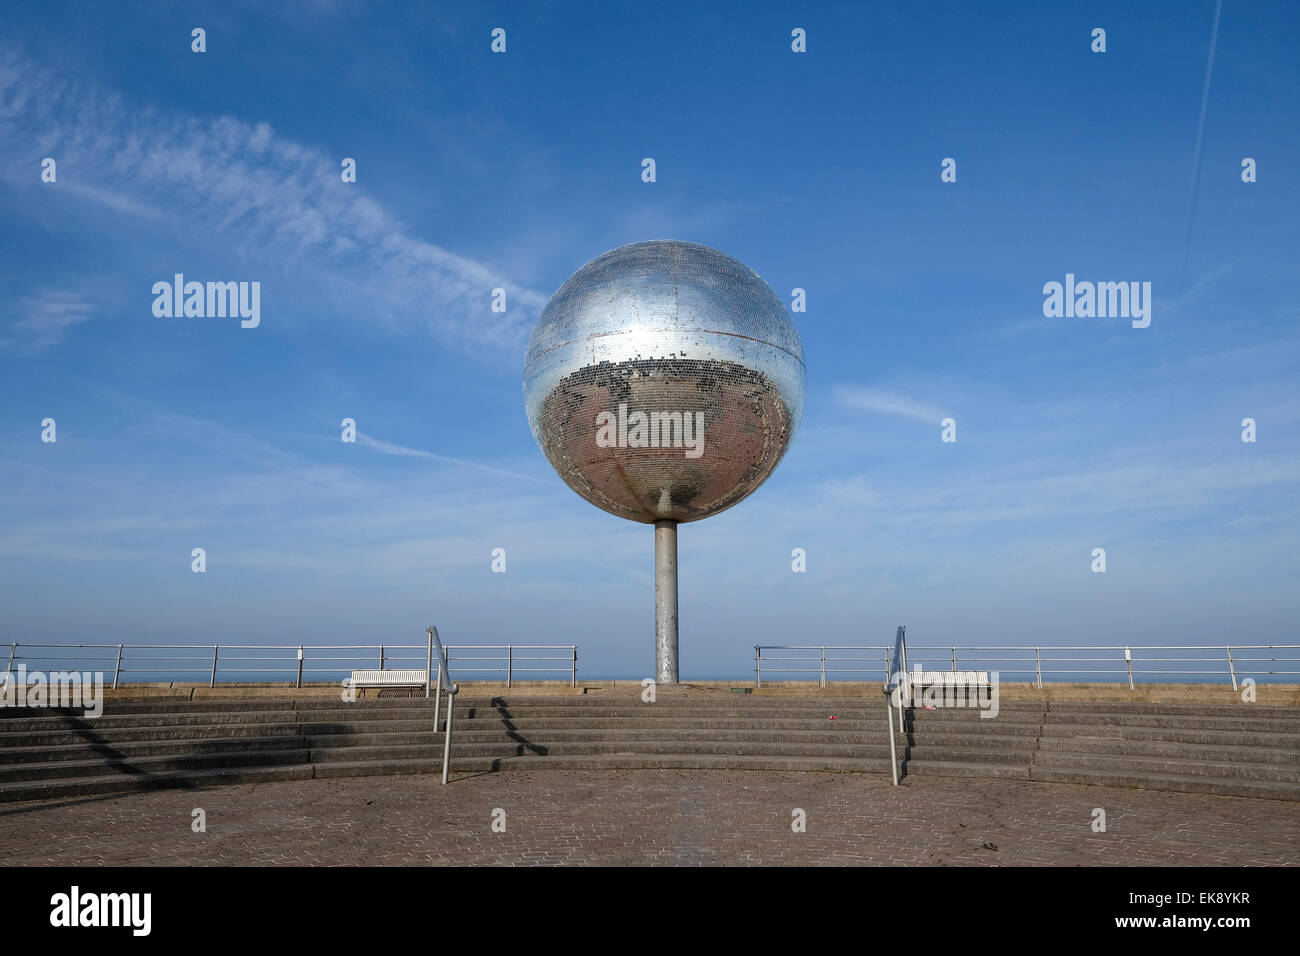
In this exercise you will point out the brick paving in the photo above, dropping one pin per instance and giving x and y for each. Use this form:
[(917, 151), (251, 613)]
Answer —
[(660, 817)]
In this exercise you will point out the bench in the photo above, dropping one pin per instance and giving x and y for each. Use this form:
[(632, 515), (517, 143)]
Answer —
[(950, 688), (960, 678), (382, 679)]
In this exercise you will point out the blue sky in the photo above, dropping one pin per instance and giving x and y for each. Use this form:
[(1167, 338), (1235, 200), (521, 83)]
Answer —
[(478, 170)]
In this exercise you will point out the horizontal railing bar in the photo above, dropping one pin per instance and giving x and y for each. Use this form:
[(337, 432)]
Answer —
[(291, 647), (1042, 647)]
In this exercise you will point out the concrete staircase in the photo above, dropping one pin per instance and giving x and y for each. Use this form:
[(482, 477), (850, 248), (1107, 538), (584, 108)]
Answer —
[(1240, 750)]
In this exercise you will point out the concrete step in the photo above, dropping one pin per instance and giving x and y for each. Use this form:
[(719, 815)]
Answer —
[(1190, 710), (1243, 738), (59, 738), (111, 735), (1227, 787), (118, 782), (965, 768), (1242, 720), (1171, 749), (149, 766), (878, 751), (41, 731), (1179, 722), (13, 726), (597, 735), (1212, 749), (148, 748), (1173, 766)]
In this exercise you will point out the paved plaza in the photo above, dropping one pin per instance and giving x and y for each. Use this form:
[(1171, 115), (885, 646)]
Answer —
[(661, 817)]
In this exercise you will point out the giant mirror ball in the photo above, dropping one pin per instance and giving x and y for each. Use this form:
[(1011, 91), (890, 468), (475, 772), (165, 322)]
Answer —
[(664, 381)]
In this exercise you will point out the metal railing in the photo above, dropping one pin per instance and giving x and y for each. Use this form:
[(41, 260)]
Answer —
[(895, 682), (821, 660), (289, 662), (1122, 662), (444, 683)]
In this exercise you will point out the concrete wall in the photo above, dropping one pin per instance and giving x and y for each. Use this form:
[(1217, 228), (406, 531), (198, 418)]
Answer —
[(1220, 694)]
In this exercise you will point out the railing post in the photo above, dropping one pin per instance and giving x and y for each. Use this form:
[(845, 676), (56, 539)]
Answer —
[(1128, 660), (954, 658), (13, 650), (446, 741), (212, 681), (823, 666), (1038, 668), (893, 751), (381, 656), (428, 673), (510, 664), (437, 697), (299, 682), (117, 669), (573, 680), (758, 667), (1232, 671)]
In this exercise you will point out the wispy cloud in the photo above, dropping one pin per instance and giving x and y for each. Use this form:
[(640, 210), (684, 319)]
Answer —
[(46, 316), (113, 200), (859, 398), (388, 448), (280, 201)]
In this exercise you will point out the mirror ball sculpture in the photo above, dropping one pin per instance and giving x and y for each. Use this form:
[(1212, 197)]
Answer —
[(664, 381)]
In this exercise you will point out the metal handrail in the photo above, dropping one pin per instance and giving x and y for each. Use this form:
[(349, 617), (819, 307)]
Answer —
[(131, 661), (895, 682), (444, 683), (1122, 660)]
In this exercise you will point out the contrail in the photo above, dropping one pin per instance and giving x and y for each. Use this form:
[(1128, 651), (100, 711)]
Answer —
[(1200, 132), (388, 448)]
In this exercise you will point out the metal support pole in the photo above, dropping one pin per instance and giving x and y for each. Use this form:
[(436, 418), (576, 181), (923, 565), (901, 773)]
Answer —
[(437, 698), (1038, 668), (212, 681), (1128, 660), (954, 658), (117, 669), (299, 683), (758, 667), (823, 665), (666, 602), (446, 740), (893, 750), (510, 665), (1232, 671), (573, 679), (13, 650), (381, 656)]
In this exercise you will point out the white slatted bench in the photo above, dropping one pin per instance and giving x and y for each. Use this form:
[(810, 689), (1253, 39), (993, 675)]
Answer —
[(951, 689), (393, 678), (959, 678)]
